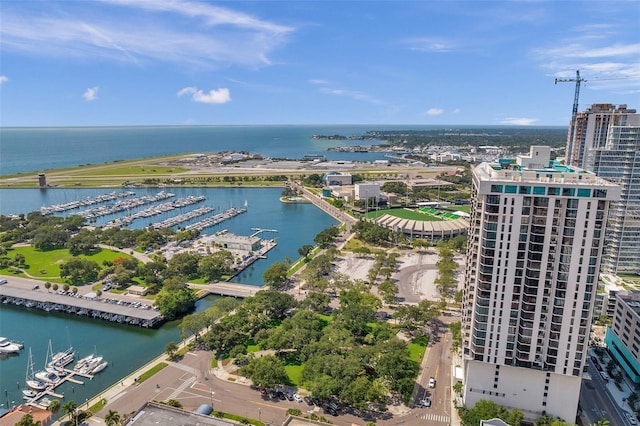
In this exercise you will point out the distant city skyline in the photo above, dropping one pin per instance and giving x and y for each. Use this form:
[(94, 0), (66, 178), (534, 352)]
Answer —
[(161, 62)]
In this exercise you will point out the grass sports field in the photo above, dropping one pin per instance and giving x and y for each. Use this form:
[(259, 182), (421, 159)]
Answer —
[(413, 214)]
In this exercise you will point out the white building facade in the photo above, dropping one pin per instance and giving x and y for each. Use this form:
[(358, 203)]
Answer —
[(536, 235), (367, 191)]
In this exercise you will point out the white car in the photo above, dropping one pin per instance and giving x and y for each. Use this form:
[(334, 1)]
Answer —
[(425, 402), (297, 397), (432, 382)]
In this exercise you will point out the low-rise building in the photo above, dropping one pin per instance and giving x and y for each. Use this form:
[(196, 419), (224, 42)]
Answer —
[(367, 190), (337, 178), (623, 337), (237, 242)]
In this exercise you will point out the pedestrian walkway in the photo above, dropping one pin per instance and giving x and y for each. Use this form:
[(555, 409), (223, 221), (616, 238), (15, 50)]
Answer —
[(435, 417)]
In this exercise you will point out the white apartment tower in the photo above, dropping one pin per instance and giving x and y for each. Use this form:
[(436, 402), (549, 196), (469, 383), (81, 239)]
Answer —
[(535, 241), (591, 128), (618, 161)]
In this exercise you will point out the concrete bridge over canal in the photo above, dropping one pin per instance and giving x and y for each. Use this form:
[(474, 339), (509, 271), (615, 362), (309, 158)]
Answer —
[(228, 289)]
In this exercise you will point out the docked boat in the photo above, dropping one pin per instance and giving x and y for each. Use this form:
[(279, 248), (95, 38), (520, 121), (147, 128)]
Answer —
[(61, 359), (47, 377), (9, 347), (82, 363), (30, 378), (29, 393), (54, 369), (91, 365), (100, 367)]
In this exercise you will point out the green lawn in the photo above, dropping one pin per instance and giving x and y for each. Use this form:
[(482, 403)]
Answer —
[(45, 264), (145, 170), (294, 371), (417, 348), (404, 214)]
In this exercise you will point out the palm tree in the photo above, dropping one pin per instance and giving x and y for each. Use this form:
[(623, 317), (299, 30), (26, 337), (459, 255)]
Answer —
[(54, 406), (112, 418), (69, 408)]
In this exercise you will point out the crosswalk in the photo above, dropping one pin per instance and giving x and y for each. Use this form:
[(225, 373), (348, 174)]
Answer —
[(435, 417)]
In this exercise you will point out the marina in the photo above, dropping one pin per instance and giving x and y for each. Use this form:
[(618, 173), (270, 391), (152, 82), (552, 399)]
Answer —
[(124, 205), (43, 384), (155, 210), (89, 201), (216, 219), (176, 220)]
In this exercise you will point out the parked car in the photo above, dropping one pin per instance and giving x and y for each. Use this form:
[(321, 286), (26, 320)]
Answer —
[(297, 397), (308, 400), (630, 418), (432, 382), (425, 402)]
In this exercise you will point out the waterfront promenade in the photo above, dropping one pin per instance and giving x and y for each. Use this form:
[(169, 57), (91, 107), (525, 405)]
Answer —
[(328, 208)]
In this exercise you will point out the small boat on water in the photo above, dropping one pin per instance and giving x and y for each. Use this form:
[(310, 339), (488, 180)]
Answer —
[(29, 393), (9, 347)]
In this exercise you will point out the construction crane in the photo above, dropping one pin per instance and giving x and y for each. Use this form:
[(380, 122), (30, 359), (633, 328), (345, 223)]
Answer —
[(578, 80), (574, 112)]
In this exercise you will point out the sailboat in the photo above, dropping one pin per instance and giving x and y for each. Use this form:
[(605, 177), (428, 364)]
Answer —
[(54, 363), (47, 376), (30, 379)]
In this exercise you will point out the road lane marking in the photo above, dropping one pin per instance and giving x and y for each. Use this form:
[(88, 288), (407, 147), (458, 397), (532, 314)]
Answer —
[(435, 417)]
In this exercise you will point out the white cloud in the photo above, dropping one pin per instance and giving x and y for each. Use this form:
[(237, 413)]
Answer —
[(456, 111), (434, 111), (604, 61), (319, 82), (430, 44), (215, 96), (358, 96), (191, 33), (91, 94), (522, 121), (3, 79)]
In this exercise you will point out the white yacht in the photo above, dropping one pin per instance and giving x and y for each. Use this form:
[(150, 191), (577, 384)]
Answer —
[(9, 347)]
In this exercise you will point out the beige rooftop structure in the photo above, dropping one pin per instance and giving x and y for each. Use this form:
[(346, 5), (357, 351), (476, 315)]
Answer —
[(430, 230)]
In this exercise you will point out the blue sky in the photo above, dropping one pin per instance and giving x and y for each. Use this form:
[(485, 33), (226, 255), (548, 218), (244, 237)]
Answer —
[(161, 62)]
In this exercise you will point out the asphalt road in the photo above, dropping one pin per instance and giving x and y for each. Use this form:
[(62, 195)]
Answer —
[(597, 403)]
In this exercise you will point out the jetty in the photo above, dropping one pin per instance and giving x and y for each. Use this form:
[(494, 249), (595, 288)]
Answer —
[(176, 220), (124, 205), (156, 210), (89, 201), (216, 219), (70, 303)]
